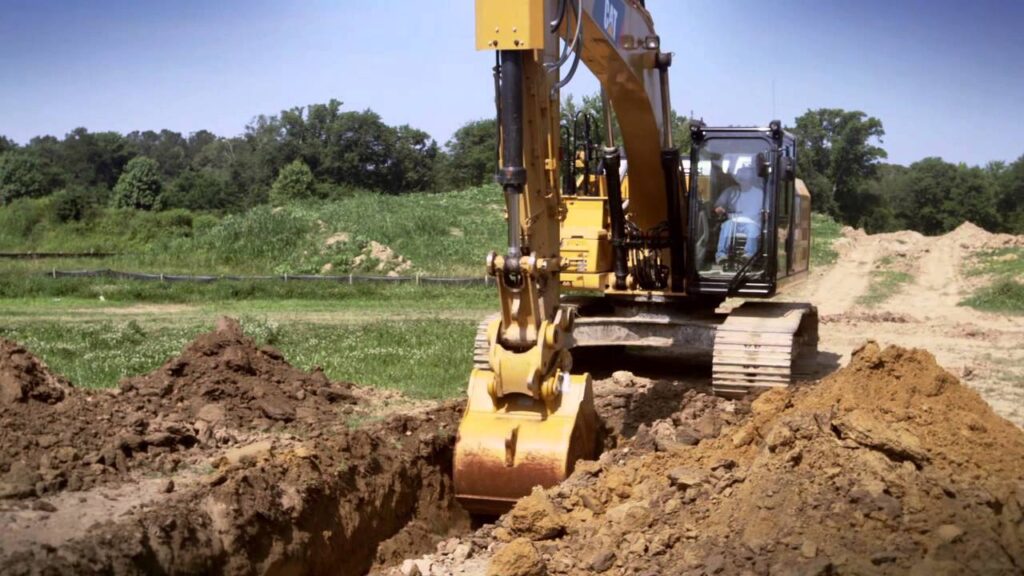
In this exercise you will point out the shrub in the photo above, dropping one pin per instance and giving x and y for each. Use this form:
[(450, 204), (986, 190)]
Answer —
[(294, 182), (19, 220), (77, 203), (139, 185)]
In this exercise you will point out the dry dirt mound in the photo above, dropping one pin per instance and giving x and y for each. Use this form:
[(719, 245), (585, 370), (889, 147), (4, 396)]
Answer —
[(222, 380), (219, 392), (24, 378), (888, 466), (973, 237)]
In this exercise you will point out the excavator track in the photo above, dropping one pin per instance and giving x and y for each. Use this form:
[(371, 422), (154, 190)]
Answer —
[(764, 345)]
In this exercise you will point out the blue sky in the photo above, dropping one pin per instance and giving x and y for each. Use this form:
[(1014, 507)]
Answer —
[(945, 78)]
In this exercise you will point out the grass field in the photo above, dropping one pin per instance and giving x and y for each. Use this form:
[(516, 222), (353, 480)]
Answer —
[(415, 341), (441, 234)]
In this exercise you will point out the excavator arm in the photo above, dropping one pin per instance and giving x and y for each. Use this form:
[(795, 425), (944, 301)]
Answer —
[(528, 417)]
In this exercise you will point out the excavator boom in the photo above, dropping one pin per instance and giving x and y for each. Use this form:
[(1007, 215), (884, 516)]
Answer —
[(528, 418), (662, 245)]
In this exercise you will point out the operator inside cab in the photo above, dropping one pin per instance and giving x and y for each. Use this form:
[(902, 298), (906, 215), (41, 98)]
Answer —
[(741, 206)]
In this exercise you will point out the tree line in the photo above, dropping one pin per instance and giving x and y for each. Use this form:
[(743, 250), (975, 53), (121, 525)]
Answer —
[(842, 160), (316, 151), (323, 151)]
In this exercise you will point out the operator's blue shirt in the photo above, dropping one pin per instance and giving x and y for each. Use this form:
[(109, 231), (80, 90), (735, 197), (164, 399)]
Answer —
[(743, 203)]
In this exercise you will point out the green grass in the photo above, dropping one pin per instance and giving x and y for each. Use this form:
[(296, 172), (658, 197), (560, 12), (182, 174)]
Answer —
[(824, 231), (97, 355), (999, 262), (884, 285), (1003, 295), (1005, 266), (442, 234), (426, 358), (21, 280)]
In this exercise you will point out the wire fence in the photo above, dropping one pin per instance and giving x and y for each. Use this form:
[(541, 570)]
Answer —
[(42, 255), (418, 279)]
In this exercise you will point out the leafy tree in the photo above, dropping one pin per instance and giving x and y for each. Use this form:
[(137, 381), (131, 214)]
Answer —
[(48, 152), (1010, 190), (90, 159), (472, 156), (348, 148), (295, 182), (836, 156), (879, 195), (20, 177), (197, 141), (200, 190), (414, 156), (139, 186), (937, 196), (170, 149), (6, 144)]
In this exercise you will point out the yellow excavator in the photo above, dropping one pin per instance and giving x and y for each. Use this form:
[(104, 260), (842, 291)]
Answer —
[(648, 246)]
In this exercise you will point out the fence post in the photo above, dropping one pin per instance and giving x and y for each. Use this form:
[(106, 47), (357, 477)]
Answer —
[(350, 278)]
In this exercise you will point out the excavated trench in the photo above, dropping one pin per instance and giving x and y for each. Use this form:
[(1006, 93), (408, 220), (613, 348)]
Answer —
[(371, 496), (228, 460), (224, 460)]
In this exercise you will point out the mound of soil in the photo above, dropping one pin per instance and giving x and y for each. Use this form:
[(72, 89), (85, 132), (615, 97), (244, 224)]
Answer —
[(223, 381), (220, 391), (972, 236), (224, 460), (889, 466), (25, 378)]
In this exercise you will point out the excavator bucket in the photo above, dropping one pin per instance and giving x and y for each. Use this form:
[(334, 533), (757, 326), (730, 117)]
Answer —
[(506, 447)]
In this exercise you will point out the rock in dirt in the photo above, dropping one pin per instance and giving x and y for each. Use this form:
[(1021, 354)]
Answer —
[(517, 558), (535, 517)]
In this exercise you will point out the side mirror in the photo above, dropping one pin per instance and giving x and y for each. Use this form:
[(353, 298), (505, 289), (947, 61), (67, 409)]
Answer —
[(788, 168), (762, 165)]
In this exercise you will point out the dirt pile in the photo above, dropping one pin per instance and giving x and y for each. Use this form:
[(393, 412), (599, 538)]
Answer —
[(382, 259), (219, 392), (222, 381), (888, 466), (224, 460), (973, 237), (25, 378)]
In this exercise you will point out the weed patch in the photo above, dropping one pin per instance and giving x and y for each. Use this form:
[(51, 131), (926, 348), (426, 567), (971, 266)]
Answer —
[(824, 231), (884, 285)]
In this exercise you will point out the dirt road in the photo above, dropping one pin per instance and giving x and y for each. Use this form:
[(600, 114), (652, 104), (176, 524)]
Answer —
[(985, 349)]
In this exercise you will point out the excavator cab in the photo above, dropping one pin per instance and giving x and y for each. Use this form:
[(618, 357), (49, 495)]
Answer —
[(746, 226)]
